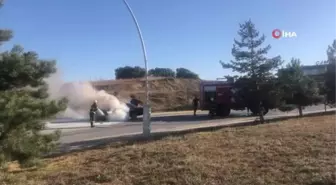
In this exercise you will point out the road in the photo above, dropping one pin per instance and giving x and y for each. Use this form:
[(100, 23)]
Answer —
[(160, 122)]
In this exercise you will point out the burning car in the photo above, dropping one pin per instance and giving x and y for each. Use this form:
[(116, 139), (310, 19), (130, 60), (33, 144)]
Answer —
[(133, 113)]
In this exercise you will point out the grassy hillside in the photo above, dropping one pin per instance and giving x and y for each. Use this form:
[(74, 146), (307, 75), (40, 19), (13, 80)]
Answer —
[(165, 93), (297, 151)]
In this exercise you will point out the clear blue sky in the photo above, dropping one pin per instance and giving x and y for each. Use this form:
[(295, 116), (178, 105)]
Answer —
[(89, 39)]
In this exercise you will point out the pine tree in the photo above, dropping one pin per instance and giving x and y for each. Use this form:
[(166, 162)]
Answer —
[(321, 83), (330, 74), (25, 105), (298, 89), (5, 34), (252, 63)]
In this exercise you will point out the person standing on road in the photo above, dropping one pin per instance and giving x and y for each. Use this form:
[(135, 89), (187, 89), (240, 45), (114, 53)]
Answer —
[(93, 111), (195, 104)]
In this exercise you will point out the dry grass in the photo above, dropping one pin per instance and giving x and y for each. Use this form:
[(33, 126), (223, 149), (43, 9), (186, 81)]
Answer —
[(166, 94), (298, 151)]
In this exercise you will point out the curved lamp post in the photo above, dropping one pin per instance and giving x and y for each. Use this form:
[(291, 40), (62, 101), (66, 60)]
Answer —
[(146, 127)]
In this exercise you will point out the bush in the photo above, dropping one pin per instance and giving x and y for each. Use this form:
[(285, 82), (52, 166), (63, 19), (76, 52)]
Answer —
[(161, 72), (186, 73), (128, 72)]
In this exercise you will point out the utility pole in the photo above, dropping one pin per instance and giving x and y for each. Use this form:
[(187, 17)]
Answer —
[(146, 126)]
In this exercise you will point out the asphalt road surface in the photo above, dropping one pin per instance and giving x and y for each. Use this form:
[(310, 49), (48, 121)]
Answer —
[(160, 122)]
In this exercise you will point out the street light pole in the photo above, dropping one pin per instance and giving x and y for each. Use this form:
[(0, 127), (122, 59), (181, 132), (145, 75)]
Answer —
[(146, 127)]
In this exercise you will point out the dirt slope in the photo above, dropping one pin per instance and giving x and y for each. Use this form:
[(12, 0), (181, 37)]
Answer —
[(165, 93)]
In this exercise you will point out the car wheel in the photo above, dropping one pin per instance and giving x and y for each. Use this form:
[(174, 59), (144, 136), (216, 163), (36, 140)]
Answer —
[(133, 115)]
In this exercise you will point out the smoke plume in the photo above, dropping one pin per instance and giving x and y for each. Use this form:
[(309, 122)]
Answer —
[(81, 95)]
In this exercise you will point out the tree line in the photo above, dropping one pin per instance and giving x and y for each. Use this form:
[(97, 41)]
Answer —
[(266, 82), (25, 102), (128, 72)]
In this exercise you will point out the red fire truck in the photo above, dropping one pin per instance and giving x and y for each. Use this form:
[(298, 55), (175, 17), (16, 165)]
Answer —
[(219, 97)]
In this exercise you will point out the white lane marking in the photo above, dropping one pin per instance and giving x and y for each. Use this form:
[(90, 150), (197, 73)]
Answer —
[(77, 124)]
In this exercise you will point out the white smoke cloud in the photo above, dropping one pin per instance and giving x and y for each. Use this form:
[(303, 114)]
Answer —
[(81, 95)]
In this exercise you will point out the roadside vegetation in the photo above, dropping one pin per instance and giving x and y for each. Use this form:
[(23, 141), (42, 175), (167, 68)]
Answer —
[(296, 151)]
